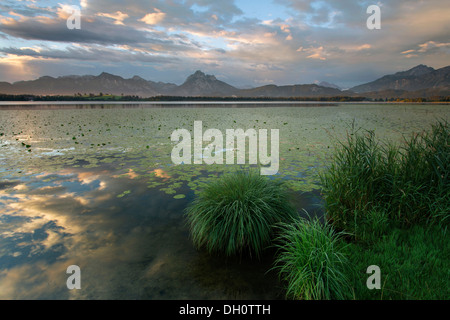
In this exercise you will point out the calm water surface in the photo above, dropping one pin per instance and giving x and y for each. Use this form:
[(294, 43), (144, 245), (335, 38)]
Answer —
[(94, 186)]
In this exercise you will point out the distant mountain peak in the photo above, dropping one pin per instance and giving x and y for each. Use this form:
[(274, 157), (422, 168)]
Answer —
[(45, 78), (419, 66), (419, 70), (418, 78), (199, 75), (137, 78), (328, 85), (199, 83), (106, 75)]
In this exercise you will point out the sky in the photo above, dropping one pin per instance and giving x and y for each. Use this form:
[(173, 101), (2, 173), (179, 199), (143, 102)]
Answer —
[(246, 43)]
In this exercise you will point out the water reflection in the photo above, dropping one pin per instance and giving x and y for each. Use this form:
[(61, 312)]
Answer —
[(98, 190), (135, 246)]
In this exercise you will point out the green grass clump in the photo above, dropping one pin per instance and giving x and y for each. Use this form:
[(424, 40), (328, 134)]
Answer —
[(311, 260), (237, 213), (407, 184), (394, 201)]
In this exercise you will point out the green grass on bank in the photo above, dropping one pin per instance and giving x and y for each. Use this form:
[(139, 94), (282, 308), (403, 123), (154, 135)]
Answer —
[(315, 262), (387, 205), (414, 264), (371, 184), (394, 201)]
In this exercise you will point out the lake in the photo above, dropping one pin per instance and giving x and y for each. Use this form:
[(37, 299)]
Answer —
[(93, 185)]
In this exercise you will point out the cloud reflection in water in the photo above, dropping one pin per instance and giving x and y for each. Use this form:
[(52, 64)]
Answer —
[(133, 247)]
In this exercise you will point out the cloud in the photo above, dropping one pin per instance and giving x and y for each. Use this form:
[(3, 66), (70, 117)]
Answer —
[(55, 29), (226, 10), (325, 13), (430, 45), (318, 53), (64, 11), (16, 67), (309, 39), (118, 17), (97, 53), (154, 17), (427, 48)]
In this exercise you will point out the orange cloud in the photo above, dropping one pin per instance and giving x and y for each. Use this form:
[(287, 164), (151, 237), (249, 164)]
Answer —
[(154, 17), (118, 17)]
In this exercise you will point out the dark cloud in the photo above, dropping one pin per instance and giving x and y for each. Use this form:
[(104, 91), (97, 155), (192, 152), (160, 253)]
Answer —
[(168, 40), (99, 54), (56, 30)]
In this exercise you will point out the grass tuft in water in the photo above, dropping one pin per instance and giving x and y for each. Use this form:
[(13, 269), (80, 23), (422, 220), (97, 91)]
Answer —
[(311, 261), (237, 213)]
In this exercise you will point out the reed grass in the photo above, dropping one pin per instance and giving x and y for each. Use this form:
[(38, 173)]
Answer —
[(311, 261), (404, 184), (394, 200)]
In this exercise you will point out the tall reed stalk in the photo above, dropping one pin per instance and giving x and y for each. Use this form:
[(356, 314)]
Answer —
[(405, 184)]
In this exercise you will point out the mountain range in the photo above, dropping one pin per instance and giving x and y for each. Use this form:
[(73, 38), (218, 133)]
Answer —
[(418, 78), (420, 81)]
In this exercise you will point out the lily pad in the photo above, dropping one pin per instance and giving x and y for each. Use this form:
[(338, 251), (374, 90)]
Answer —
[(123, 194)]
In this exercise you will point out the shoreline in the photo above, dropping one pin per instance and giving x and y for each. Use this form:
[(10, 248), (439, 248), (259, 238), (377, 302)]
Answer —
[(217, 102)]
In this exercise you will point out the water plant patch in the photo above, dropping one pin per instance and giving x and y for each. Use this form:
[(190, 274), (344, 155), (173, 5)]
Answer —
[(234, 149)]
